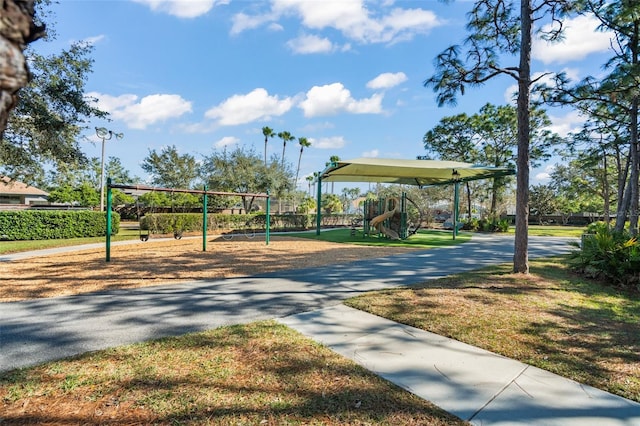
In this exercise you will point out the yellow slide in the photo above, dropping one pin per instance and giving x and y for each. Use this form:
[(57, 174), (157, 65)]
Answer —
[(378, 221)]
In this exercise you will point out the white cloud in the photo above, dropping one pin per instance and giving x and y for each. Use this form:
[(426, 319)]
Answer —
[(569, 123), (581, 38), (242, 22), (310, 44), (374, 153), (92, 41), (226, 141), (255, 105), (334, 142), (182, 8), (352, 18), (545, 174), (138, 115), (387, 80), (333, 98)]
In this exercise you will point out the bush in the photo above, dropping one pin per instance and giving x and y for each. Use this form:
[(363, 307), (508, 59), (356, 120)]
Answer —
[(608, 255), (168, 223), (55, 224), (486, 225)]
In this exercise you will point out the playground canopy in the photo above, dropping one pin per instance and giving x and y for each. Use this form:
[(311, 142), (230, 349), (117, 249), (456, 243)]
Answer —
[(409, 172)]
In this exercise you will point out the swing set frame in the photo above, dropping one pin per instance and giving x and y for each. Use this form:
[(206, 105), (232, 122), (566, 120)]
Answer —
[(204, 192)]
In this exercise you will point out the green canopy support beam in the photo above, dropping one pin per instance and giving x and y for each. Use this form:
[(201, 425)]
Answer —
[(456, 207), (205, 224), (319, 205), (267, 225)]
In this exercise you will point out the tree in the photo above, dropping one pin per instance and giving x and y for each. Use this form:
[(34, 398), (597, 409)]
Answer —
[(332, 159), (268, 133), (18, 27), (170, 169), (50, 115), (489, 137), (304, 143), (116, 171), (499, 28), (310, 179), (286, 137), (543, 201), (242, 171), (613, 98), (331, 203)]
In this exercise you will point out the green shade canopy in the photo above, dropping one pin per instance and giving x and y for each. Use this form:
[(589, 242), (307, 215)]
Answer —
[(409, 172)]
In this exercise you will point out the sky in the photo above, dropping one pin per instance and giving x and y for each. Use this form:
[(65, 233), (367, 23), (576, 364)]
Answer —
[(205, 75)]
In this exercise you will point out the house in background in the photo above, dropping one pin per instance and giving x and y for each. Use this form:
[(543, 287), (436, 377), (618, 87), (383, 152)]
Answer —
[(16, 195)]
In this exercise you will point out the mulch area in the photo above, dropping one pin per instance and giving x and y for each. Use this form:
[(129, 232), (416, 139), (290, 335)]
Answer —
[(169, 261)]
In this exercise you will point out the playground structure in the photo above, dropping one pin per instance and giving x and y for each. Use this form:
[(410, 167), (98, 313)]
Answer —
[(178, 233), (420, 173), (389, 217)]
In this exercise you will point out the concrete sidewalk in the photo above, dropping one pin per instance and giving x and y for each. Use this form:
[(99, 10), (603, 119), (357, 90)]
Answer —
[(473, 384)]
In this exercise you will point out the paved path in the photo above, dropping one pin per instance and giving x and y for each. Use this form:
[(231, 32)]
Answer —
[(39, 330), (478, 386)]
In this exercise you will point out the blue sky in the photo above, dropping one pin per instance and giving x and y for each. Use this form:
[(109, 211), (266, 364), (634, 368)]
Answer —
[(345, 74)]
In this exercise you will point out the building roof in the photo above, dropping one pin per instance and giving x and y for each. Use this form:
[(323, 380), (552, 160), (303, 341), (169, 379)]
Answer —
[(14, 187), (408, 172)]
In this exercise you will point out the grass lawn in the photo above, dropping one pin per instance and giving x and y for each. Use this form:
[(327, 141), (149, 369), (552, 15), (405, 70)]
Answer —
[(258, 374), (553, 230), (422, 239), (551, 319), (27, 245)]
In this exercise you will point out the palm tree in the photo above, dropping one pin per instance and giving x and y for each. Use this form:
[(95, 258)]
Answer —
[(268, 133), (310, 180), (333, 159), (304, 143), (286, 137)]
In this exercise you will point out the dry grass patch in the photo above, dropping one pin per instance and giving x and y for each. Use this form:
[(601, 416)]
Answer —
[(551, 319), (257, 374), (158, 262)]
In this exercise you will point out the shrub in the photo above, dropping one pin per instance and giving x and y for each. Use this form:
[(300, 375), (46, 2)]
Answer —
[(55, 224), (486, 225), (608, 255)]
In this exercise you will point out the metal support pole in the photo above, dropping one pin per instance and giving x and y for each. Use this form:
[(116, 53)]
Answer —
[(108, 230), (204, 219), (319, 205), (267, 231)]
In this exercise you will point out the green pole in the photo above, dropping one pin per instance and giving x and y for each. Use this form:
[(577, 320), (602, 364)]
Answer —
[(204, 219), (108, 230), (267, 231), (318, 205), (456, 204)]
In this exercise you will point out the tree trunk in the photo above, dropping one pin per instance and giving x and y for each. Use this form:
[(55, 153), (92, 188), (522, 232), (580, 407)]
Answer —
[(605, 189), (521, 246), (16, 31)]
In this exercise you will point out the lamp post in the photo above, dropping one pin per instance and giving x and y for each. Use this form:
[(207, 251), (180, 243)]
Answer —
[(105, 135)]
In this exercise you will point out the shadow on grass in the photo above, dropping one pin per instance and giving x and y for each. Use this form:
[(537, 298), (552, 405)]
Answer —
[(552, 319), (261, 373)]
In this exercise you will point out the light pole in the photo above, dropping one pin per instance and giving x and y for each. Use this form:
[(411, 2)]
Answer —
[(105, 135)]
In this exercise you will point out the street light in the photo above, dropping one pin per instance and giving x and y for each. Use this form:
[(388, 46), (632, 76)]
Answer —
[(105, 135)]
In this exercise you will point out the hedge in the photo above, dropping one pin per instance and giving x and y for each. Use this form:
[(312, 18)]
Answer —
[(168, 223), (54, 224)]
